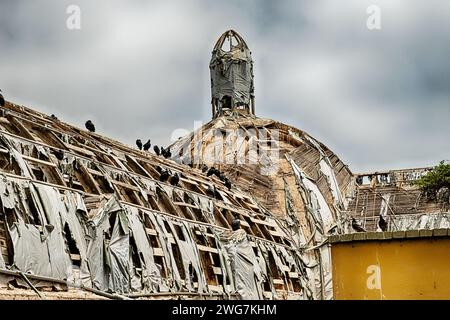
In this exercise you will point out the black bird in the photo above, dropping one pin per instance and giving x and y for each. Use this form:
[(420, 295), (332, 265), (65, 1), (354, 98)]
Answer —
[(90, 126), (159, 169), (204, 168), (166, 154), (174, 179), (164, 176), (382, 223), (235, 224), (54, 117), (147, 145), (211, 171), (227, 183), (222, 177), (156, 149), (356, 226), (139, 144), (2, 100)]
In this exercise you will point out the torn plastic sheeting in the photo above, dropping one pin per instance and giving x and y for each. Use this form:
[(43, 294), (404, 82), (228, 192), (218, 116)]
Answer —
[(151, 276), (278, 263), (204, 204), (138, 183), (191, 259), (292, 216), (16, 155), (325, 266), (172, 270), (207, 206), (40, 252), (225, 264), (149, 185), (119, 251), (7, 194), (264, 254), (50, 202), (316, 198), (31, 254), (329, 173), (242, 260), (261, 261), (384, 204), (98, 255), (76, 219), (322, 279), (225, 197), (67, 164)]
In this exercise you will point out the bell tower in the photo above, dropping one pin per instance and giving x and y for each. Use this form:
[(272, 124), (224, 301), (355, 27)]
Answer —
[(231, 68)]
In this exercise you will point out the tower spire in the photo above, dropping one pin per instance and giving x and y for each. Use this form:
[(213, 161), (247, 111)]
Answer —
[(231, 69)]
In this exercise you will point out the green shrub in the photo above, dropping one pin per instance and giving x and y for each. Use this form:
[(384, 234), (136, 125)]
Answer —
[(435, 179)]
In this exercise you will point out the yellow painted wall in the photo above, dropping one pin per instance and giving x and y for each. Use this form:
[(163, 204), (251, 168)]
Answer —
[(392, 269)]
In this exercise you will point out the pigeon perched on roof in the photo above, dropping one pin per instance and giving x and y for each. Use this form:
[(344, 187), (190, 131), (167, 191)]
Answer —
[(139, 144), (211, 171), (157, 151), (90, 126), (164, 176), (356, 226), (147, 145), (166, 152), (174, 179), (382, 223)]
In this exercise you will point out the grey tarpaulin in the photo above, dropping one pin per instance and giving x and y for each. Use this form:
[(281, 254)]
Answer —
[(50, 201), (232, 72), (158, 222), (119, 277), (16, 155), (98, 253), (244, 267), (191, 258), (324, 223), (151, 277), (41, 251), (75, 217)]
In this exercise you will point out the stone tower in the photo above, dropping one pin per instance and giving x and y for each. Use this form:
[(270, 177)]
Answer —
[(231, 68)]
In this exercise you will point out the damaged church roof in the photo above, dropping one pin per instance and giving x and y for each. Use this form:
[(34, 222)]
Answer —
[(77, 205)]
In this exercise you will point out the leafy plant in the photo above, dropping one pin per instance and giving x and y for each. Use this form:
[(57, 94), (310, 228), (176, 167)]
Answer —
[(435, 179)]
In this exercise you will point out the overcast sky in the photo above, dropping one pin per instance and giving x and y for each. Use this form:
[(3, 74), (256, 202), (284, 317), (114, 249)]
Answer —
[(380, 99)]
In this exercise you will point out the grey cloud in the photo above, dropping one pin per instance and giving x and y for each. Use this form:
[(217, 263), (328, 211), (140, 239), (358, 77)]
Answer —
[(379, 99)]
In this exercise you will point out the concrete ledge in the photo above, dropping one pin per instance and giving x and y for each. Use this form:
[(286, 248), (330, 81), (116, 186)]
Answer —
[(412, 233), (398, 234), (360, 236), (426, 233), (440, 232)]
